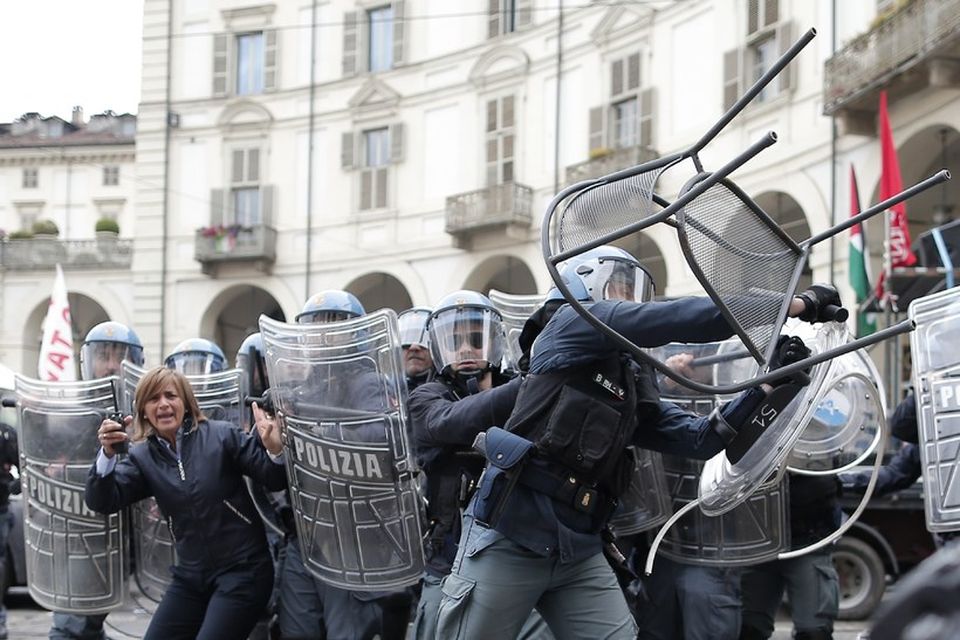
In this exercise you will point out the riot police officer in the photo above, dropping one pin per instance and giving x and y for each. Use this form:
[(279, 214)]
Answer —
[(531, 533), (196, 356), (469, 395), (417, 363), (104, 348), (308, 607)]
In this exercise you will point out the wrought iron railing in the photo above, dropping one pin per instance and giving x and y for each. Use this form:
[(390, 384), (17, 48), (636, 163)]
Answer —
[(496, 205), (903, 40), (607, 162), (37, 254)]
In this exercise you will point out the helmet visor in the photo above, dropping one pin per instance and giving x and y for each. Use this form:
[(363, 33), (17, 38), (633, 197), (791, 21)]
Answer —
[(195, 363), (617, 279), (102, 359), (323, 316), (466, 338), (413, 328)]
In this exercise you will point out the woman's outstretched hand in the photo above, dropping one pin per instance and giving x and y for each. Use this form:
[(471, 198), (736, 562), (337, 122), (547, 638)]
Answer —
[(269, 430)]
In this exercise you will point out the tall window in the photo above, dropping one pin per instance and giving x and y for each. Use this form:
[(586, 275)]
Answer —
[(373, 175), (245, 188), (763, 53), (767, 38), (380, 53), (500, 138), (111, 176), (30, 179), (506, 16), (626, 119), (249, 63)]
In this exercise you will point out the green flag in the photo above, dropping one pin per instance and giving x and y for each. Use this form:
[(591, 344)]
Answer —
[(859, 257)]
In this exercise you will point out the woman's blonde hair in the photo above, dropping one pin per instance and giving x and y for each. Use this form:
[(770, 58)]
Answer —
[(151, 384)]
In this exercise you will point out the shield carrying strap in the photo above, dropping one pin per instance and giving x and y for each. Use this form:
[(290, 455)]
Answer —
[(761, 418)]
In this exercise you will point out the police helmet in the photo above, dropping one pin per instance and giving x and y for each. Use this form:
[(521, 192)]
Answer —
[(251, 361), (105, 347), (332, 305), (196, 356), (574, 284), (466, 332), (610, 273), (413, 327)]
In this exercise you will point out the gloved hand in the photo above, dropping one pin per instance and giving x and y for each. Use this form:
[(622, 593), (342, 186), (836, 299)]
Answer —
[(789, 349), (822, 304)]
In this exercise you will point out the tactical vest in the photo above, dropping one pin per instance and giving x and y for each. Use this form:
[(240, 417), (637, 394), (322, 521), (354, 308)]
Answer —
[(450, 482), (582, 419)]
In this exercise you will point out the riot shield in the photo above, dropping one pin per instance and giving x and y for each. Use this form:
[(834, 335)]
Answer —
[(935, 347), (514, 309), (645, 504), (219, 394), (340, 396), (76, 558), (753, 532)]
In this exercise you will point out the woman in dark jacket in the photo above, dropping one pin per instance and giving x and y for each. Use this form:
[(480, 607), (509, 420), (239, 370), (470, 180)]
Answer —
[(194, 469)]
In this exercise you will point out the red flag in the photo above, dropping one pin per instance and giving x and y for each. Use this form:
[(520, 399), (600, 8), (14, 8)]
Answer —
[(890, 185)]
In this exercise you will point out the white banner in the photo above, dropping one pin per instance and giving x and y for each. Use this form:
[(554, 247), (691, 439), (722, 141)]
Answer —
[(56, 350)]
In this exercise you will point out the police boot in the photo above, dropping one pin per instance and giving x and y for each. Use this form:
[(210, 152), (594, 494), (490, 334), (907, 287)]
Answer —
[(751, 633), (814, 634)]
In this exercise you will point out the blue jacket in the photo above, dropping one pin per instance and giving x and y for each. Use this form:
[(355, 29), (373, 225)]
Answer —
[(444, 428), (534, 520), (201, 492)]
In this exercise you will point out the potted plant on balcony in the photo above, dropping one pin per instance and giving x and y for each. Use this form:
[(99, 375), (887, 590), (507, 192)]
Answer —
[(224, 237), (20, 234), (45, 229), (107, 230)]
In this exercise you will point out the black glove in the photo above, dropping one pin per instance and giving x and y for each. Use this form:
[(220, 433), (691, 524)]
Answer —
[(789, 349), (822, 304)]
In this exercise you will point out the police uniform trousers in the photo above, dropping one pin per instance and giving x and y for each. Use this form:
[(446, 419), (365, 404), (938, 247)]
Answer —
[(222, 606), (309, 608), (496, 584), (812, 588), (690, 602), (73, 626), (425, 624)]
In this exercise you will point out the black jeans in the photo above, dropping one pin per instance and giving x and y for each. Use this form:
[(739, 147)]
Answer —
[(225, 606)]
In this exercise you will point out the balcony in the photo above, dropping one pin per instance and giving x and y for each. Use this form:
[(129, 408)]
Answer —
[(256, 244), (915, 47), (40, 254), (503, 209), (604, 162)]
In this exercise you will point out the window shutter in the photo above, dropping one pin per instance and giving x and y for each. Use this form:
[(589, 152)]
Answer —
[(253, 165), (398, 29), (785, 37), (351, 43), (271, 69), (267, 196), (216, 207), (493, 19), (616, 78), (396, 133), (771, 12), (236, 168), (753, 16), (633, 72), (732, 76), (648, 107), (598, 129), (381, 178), (221, 67), (524, 13), (347, 159), (366, 189)]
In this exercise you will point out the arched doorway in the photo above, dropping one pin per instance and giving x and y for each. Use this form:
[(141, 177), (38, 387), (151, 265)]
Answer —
[(380, 291), (788, 214), (85, 313), (503, 273), (234, 314)]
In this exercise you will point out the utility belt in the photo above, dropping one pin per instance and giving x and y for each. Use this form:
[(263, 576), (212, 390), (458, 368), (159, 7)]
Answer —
[(510, 462)]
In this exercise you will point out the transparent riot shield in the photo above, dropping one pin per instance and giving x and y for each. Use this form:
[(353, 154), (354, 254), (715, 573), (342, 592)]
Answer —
[(340, 395), (753, 532), (935, 347), (514, 309), (153, 545), (76, 558), (645, 503), (219, 394)]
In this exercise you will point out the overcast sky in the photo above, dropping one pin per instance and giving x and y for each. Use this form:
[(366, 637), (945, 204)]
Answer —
[(59, 53)]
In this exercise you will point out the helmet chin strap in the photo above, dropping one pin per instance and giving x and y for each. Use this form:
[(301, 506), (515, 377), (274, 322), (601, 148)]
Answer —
[(470, 378)]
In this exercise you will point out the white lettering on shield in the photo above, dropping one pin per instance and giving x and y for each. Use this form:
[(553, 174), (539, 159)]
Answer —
[(338, 462), (62, 499)]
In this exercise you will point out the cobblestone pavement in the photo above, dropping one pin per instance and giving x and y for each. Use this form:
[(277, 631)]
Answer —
[(27, 621)]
